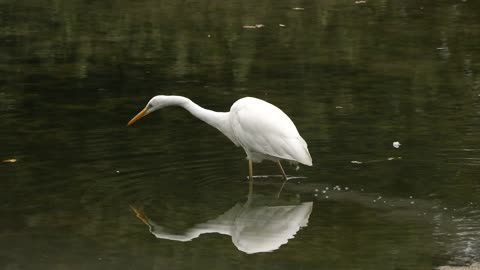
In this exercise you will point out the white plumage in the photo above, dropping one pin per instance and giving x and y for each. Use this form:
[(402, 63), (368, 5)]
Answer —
[(260, 128), (259, 225), (266, 132)]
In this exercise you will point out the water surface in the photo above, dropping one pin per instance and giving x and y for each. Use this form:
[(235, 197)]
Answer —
[(354, 77)]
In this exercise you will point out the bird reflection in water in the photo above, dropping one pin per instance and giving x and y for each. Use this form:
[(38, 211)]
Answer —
[(261, 224)]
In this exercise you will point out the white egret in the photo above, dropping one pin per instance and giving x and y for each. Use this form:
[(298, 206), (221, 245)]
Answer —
[(261, 224), (260, 128)]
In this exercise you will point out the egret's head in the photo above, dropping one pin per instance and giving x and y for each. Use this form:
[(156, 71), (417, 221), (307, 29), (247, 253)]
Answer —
[(157, 102)]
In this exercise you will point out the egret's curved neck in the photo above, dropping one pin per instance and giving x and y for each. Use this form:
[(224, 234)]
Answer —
[(218, 120)]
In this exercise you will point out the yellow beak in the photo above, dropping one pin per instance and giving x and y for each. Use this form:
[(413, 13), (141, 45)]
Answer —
[(138, 116), (140, 215)]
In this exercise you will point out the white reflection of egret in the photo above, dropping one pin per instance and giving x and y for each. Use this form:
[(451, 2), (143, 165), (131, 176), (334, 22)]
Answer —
[(263, 130), (258, 225)]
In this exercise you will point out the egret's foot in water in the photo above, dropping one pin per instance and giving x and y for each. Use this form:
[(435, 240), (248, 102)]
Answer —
[(281, 188)]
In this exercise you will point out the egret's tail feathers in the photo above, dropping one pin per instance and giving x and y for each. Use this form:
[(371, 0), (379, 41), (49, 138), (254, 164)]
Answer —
[(301, 153)]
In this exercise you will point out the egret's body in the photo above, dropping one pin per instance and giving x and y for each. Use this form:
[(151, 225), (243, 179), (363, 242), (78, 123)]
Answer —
[(266, 132), (260, 128)]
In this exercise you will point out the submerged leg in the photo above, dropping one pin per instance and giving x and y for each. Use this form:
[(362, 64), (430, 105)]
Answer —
[(284, 176), (250, 174)]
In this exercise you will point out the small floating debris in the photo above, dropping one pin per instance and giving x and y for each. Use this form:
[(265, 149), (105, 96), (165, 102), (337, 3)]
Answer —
[(281, 25), (253, 26), (298, 8), (356, 162), (396, 144), (117, 171), (338, 107), (12, 160), (360, 2)]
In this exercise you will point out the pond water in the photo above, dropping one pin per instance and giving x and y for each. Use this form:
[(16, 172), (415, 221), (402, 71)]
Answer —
[(78, 187)]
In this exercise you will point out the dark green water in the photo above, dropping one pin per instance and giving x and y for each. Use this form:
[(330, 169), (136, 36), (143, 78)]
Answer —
[(353, 77)]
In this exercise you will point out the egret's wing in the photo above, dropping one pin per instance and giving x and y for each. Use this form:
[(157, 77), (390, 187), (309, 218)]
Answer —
[(262, 229), (261, 127)]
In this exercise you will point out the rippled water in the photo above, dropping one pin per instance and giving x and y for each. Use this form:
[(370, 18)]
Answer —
[(354, 77)]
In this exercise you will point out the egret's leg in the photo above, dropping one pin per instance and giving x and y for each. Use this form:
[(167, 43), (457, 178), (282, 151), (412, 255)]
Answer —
[(284, 176), (250, 174), (281, 169)]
